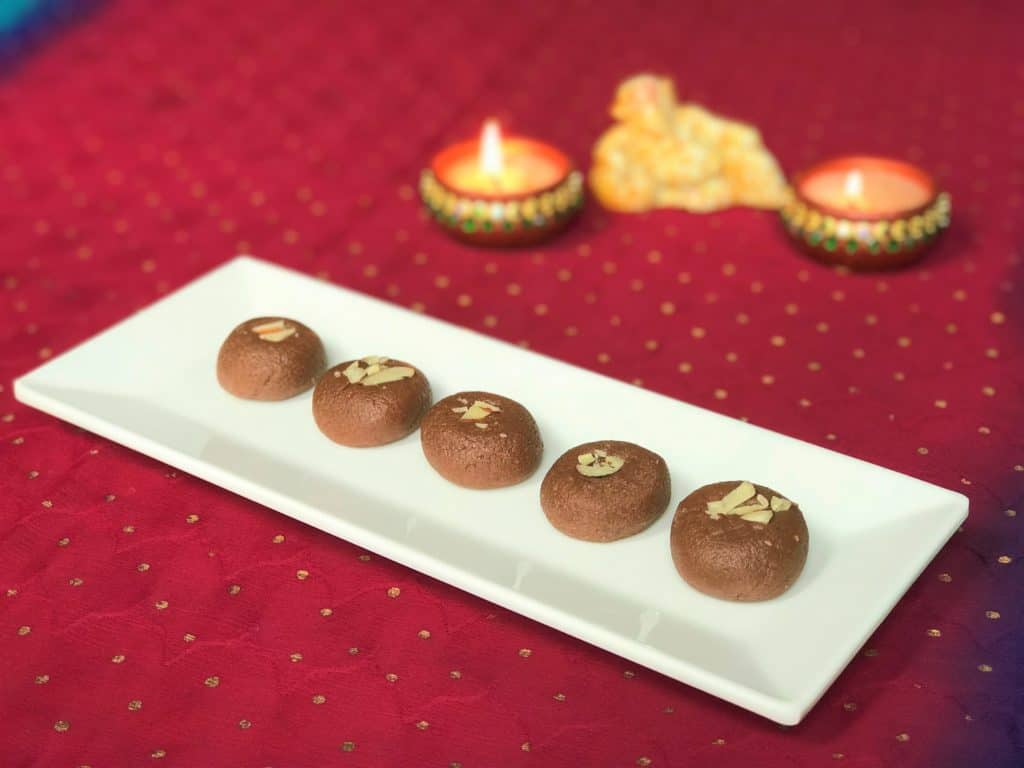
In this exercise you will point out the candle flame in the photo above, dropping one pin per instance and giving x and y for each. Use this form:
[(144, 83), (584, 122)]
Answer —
[(853, 187), (492, 160)]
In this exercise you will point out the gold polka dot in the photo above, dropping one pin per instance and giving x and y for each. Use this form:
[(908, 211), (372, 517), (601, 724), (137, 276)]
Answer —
[(75, 582), (636, 285), (129, 529), (212, 682), (61, 726), (941, 403), (365, 558), (525, 746), (821, 327), (348, 746), (540, 310), (629, 674), (934, 633), (718, 742), (188, 637), (778, 341), (157, 754), (192, 519), (302, 574), (423, 634), (609, 267), (871, 319), (997, 318), (234, 589), (945, 577), (559, 697), (743, 318), (278, 539), (859, 353), (697, 332), (319, 698), (295, 657), (838, 755), (12, 592), (525, 653), (244, 724), (721, 394), (643, 762), (571, 330), (160, 605), (24, 630), (564, 275), (871, 653), (47, 503), (326, 612), (756, 287), (513, 289), (685, 367), (134, 705), (1010, 512), (423, 725), (394, 592), (668, 308), (442, 281), (391, 677), (42, 679), (767, 379), (1018, 467), (654, 257), (651, 345), (1004, 559), (805, 403), (464, 300), (731, 357), (603, 357), (902, 737), (850, 706), (118, 658), (903, 341), (992, 615), (984, 668), (813, 365)]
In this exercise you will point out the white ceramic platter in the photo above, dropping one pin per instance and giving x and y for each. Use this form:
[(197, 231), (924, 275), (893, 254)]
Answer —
[(872, 530)]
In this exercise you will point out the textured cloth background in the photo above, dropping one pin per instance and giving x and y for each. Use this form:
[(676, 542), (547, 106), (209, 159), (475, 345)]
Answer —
[(147, 618)]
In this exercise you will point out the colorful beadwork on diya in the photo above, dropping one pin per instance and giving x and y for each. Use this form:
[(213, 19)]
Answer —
[(663, 154), (502, 191), (866, 212)]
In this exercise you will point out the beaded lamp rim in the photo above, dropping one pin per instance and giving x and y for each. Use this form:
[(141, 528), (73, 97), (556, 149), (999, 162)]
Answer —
[(815, 227), (481, 215)]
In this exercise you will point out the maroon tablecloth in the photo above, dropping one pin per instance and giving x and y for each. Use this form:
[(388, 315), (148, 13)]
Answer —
[(145, 615)]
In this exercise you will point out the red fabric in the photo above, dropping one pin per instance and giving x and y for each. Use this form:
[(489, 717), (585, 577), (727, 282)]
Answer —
[(150, 142)]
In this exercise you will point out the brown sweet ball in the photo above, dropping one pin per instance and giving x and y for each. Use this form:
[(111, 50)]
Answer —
[(270, 358), (605, 490), (481, 440), (371, 401), (739, 541)]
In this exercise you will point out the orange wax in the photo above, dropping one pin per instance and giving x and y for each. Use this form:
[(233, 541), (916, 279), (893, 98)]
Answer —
[(866, 187), (528, 167)]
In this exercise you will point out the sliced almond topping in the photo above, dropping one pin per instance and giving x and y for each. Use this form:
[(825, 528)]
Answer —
[(480, 410), (745, 509), (780, 504), (762, 500), (387, 375), (354, 373), (602, 466), (460, 409), (480, 425), (599, 453), (276, 336), (273, 325), (375, 359), (737, 496), (585, 459), (372, 369), (760, 516), (463, 400)]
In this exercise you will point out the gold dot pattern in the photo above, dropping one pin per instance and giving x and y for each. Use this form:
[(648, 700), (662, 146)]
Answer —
[(128, 583)]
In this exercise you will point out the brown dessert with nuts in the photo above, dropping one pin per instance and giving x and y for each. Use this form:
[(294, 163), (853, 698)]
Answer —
[(481, 440), (270, 358), (739, 541), (605, 490), (371, 401)]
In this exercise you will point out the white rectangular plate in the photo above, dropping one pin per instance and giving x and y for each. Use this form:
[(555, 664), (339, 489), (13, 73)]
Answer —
[(149, 383)]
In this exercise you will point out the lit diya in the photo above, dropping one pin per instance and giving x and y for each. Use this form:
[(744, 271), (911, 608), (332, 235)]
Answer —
[(502, 191), (866, 212)]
